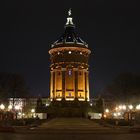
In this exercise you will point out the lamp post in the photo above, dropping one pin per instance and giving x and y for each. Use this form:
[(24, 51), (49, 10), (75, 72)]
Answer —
[(2, 107), (138, 107), (10, 107), (33, 112), (130, 107), (107, 110), (106, 113), (16, 108)]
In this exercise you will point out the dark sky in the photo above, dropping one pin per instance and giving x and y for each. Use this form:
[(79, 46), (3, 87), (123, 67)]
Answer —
[(27, 29)]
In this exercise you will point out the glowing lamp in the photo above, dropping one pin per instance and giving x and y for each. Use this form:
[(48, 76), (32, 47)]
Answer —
[(2, 107)]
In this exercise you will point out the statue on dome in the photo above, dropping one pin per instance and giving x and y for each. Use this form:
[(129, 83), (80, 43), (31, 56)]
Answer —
[(69, 12)]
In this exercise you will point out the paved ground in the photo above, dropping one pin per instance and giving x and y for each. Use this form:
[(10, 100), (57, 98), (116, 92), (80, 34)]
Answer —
[(4, 136), (71, 123), (71, 129), (75, 126), (72, 126)]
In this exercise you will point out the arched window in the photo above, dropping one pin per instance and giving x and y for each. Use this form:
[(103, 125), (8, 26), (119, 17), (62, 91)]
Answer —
[(69, 72), (69, 94), (58, 94)]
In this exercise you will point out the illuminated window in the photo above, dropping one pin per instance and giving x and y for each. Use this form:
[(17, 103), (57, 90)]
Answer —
[(58, 94), (69, 72), (69, 94)]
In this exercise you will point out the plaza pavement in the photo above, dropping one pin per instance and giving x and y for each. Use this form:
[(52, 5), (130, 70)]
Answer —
[(76, 125), (73, 126), (71, 123), (70, 129)]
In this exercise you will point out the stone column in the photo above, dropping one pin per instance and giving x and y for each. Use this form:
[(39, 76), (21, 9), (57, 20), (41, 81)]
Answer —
[(63, 83), (87, 82), (53, 82), (85, 74), (76, 83)]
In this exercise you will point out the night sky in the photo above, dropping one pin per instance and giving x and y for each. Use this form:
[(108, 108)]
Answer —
[(28, 28)]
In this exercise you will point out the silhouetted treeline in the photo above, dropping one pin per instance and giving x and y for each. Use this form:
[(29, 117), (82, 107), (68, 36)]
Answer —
[(12, 85), (125, 87)]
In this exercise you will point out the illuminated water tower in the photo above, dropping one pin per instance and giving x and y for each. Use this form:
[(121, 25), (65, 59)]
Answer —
[(69, 66)]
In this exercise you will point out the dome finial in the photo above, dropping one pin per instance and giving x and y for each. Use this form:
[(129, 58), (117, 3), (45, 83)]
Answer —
[(69, 18)]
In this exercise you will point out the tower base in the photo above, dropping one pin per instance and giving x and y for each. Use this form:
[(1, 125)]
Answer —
[(66, 109)]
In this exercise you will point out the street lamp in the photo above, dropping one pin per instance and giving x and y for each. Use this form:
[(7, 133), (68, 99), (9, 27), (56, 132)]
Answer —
[(10, 107), (107, 110), (19, 114), (17, 107), (23, 114), (138, 107), (124, 107), (33, 112), (105, 116), (115, 114), (116, 108), (130, 107), (118, 113), (2, 107), (120, 107), (91, 104), (47, 104)]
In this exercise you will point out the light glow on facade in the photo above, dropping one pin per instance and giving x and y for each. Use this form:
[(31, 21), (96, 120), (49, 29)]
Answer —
[(2, 107), (69, 66)]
